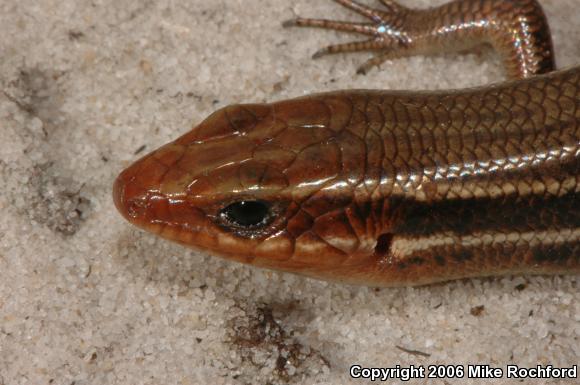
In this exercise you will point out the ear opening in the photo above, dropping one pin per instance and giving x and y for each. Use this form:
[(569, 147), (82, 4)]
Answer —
[(383, 246)]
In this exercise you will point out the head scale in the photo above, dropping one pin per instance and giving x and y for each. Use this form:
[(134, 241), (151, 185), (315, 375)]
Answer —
[(261, 184)]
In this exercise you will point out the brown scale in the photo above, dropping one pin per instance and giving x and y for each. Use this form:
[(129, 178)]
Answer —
[(516, 29), (387, 188)]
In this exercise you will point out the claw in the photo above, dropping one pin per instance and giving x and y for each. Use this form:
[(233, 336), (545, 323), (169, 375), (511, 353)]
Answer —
[(290, 23)]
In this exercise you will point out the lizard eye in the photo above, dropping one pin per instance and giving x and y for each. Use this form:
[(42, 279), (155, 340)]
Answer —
[(247, 214)]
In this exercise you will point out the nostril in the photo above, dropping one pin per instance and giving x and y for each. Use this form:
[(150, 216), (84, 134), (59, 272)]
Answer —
[(383, 245), (136, 208)]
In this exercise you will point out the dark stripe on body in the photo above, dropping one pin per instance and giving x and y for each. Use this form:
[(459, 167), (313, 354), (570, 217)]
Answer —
[(505, 215)]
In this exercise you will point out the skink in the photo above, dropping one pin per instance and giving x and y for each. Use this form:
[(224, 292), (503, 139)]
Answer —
[(386, 188)]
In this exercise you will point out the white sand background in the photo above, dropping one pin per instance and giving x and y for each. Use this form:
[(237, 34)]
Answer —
[(85, 298)]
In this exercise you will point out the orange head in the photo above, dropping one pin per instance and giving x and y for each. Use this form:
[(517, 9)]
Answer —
[(261, 184)]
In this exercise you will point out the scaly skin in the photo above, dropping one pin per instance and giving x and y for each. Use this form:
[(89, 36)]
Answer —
[(381, 188), (516, 29)]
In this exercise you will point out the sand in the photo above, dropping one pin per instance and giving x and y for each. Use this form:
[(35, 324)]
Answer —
[(85, 298)]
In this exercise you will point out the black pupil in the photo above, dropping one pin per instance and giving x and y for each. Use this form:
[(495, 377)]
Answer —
[(246, 213)]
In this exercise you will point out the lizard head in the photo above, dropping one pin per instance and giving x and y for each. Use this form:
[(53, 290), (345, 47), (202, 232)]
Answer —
[(262, 184)]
